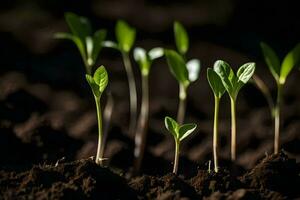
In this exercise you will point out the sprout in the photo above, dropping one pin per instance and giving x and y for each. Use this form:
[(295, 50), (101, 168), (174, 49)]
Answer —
[(125, 36), (98, 83), (280, 72), (218, 89), (179, 133), (88, 44), (233, 83), (184, 72), (144, 61)]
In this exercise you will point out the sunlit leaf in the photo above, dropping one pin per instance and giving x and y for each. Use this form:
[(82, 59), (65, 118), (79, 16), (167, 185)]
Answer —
[(155, 53), (185, 130), (172, 126), (193, 67), (140, 56), (101, 78), (125, 35), (181, 38), (290, 61), (271, 59), (215, 83)]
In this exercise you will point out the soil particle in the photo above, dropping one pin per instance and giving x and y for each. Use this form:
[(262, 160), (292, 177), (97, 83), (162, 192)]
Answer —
[(277, 173), (77, 180), (169, 186)]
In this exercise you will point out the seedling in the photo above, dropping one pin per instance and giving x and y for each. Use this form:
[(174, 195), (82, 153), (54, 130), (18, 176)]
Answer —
[(98, 83), (280, 73), (144, 60), (179, 132), (184, 72), (88, 44), (218, 89), (233, 83), (125, 36)]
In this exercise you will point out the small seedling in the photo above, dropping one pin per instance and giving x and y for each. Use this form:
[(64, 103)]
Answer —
[(184, 72), (233, 83), (125, 36), (98, 83), (280, 72), (179, 132), (88, 44), (144, 60), (218, 89)]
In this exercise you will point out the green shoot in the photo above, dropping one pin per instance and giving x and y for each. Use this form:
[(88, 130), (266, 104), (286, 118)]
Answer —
[(233, 83), (280, 72), (125, 36), (144, 60), (98, 83), (179, 132), (218, 89), (184, 74), (88, 44)]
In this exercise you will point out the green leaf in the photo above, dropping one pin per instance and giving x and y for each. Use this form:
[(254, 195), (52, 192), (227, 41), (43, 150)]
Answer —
[(177, 67), (140, 56), (79, 26), (226, 75), (193, 67), (290, 60), (215, 83), (93, 85), (185, 130), (155, 53), (110, 44), (271, 59), (172, 126), (101, 78), (98, 38), (245, 72), (181, 38), (125, 35)]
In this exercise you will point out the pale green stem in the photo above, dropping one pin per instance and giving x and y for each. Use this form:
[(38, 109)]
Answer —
[(233, 128), (132, 92), (215, 136), (176, 159), (182, 104), (99, 156), (141, 132), (277, 118)]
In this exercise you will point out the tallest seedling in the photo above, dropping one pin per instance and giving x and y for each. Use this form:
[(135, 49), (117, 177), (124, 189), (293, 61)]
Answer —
[(233, 83), (125, 36), (280, 73)]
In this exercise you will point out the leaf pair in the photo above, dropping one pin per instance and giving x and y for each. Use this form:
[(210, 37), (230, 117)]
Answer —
[(231, 82), (185, 73), (98, 82), (280, 71), (88, 45), (125, 36), (145, 59), (179, 132)]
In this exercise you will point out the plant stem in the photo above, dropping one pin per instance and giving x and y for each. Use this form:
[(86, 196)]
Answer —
[(99, 156), (141, 132), (176, 159), (215, 136), (132, 92), (277, 118), (233, 128), (182, 104)]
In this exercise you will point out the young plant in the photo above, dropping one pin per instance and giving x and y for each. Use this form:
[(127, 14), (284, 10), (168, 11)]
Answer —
[(184, 74), (125, 36), (179, 132), (98, 83), (218, 89), (144, 60), (233, 83), (280, 72), (88, 44)]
